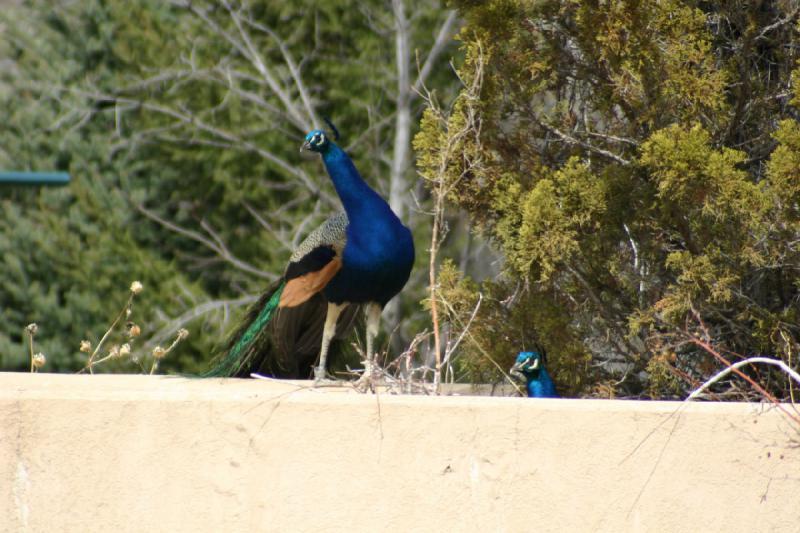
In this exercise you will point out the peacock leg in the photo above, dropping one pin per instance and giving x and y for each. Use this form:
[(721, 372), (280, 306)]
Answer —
[(373, 315), (329, 330)]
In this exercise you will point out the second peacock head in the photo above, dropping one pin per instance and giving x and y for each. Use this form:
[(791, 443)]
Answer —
[(528, 364)]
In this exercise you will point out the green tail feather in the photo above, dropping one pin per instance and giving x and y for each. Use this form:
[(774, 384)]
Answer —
[(239, 355)]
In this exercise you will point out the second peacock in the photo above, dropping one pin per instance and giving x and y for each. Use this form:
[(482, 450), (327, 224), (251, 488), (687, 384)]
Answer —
[(530, 367), (356, 261)]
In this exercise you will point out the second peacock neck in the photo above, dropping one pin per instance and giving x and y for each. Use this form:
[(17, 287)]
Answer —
[(359, 200)]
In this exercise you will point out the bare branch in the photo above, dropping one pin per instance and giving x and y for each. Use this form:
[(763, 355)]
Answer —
[(380, 123), (751, 360), (235, 140), (248, 50), (229, 75), (442, 38), (301, 229), (258, 62), (181, 321), (267, 226), (572, 140), (439, 188), (402, 130), (613, 138), (293, 69), (216, 245), (454, 346), (706, 345), (791, 17)]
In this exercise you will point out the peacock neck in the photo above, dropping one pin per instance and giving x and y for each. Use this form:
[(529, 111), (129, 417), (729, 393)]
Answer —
[(540, 385), (359, 200)]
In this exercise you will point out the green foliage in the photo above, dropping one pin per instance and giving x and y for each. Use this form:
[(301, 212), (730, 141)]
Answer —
[(639, 171), (500, 330), (159, 115), (69, 255), (554, 213), (783, 171)]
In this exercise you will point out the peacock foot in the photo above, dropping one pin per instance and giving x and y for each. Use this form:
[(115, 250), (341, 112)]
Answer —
[(321, 376), (364, 383), (367, 381)]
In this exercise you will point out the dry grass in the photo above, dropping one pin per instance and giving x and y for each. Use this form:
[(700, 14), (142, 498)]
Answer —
[(122, 329)]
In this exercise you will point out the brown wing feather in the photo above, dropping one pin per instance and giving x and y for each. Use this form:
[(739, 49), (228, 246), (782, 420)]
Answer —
[(289, 344), (301, 288)]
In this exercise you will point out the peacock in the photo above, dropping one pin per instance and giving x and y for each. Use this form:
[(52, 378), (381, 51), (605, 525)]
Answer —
[(530, 367), (356, 261)]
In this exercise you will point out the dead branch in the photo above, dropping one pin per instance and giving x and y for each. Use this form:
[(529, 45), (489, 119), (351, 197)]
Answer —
[(708, 348), (465, 328), (441, 187), (188, 316), (442, 38), (249, 51), (268, 227), (294, 69), (569, 139), (791, 17), (195, 121), (214, 243), (751, 360)]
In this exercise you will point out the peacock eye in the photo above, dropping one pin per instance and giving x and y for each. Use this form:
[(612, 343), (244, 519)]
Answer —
[(321, 138)]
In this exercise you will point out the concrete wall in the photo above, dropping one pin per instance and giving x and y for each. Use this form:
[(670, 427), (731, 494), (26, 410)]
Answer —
[(140, 453)]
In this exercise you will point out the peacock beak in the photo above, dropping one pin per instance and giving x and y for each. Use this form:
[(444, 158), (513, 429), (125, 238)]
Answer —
[(305, 146)]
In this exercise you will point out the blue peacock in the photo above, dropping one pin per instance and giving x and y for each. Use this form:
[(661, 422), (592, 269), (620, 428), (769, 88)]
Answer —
[(530, 366), (356, 261)]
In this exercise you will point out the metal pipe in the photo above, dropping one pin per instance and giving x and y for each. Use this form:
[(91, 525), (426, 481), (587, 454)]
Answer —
[(34, 178)]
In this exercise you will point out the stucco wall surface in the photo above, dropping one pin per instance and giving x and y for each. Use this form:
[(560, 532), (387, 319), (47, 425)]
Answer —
[(142, 453)]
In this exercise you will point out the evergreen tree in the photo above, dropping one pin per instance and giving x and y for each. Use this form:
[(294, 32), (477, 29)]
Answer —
[(636, 163)]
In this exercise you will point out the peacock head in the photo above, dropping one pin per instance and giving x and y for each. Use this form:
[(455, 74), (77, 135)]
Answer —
[(316, 141), (528, 364)]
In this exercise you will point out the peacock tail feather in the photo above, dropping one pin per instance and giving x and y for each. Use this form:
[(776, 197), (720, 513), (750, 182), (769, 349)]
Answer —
[(244, 340)]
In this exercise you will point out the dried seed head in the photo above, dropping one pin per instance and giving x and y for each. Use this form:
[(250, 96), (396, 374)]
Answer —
[(125, 350), (182, 334), (39, 360), (32, 328), (136, 287), (134, 330), (128, 312), (159, 352), (114, 351), (86, 346)]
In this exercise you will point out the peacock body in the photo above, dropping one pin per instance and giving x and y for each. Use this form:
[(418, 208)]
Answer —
[(357, 260), (530, 366), (378, 251)]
